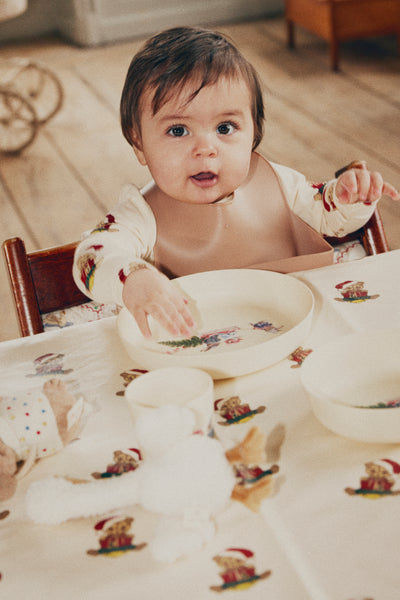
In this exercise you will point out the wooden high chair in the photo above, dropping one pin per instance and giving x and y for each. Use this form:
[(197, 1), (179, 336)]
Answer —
[(42, 282)]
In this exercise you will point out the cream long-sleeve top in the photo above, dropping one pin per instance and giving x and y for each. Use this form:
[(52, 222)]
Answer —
[(127, 236)]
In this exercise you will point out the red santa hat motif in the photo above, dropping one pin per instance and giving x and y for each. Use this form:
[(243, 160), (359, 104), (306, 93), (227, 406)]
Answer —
[(45, 358), (344, 284), (393, 468), (101, 525), (239, 552), (390, 465), (134, 452), (216, 403)]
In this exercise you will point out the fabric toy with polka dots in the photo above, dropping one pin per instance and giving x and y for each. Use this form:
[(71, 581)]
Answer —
[(34, 425)]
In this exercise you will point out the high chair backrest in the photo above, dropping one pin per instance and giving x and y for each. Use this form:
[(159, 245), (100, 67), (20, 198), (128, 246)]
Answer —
[(41, 282)]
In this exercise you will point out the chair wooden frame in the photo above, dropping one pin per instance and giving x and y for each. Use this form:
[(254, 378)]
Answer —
[(41, 282)]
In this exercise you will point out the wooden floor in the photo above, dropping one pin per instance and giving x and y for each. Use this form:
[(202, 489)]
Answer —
[(317, 121)]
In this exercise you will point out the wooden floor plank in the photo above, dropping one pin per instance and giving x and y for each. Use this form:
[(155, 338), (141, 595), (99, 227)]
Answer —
[(88, 135), (105, 70), (374, 62), (295, 139), (52, 200)]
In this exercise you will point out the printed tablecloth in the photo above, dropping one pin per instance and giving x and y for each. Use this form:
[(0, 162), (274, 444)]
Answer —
[(312, 539)]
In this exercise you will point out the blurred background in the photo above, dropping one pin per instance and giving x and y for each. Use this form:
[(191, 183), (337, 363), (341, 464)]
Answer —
[(70, 174)]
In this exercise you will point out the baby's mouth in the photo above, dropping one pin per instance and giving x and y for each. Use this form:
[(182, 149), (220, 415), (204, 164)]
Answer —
[(204, 178)]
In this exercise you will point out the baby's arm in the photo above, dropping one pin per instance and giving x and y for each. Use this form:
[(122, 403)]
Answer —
[(335, 208), (113, 265), (116, 246)]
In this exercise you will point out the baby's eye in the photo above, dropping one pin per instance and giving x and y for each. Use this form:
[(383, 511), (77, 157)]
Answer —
[(178, 131), (226, 128)]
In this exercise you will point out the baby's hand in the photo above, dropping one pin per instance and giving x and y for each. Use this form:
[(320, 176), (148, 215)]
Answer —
[(148, 292), (358, 184)]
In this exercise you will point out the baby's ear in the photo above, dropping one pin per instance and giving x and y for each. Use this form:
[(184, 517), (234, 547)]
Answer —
[(140, 156), (137, 148)]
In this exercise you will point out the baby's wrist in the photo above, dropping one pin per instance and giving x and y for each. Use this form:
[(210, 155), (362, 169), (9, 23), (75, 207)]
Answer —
[(326, 194), (133, 267)]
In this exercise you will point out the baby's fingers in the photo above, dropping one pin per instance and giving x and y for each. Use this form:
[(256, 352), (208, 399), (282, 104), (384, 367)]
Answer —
[(159, 315), (375, 188), (175, 317), (142, 323), (347, 187), (176, 320), (391, 191), (378, 188), (361, 185), (187, 317)]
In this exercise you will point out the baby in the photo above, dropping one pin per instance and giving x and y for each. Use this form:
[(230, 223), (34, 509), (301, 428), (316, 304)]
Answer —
[(192, 109)]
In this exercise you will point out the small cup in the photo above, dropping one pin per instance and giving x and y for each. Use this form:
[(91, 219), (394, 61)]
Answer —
[(180, 386)]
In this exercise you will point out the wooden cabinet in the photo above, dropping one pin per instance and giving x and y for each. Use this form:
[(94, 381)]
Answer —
[(339, 20)]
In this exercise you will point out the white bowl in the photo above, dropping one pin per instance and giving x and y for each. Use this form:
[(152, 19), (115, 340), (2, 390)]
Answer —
[(354, 386), (230, 307), (180, 386)]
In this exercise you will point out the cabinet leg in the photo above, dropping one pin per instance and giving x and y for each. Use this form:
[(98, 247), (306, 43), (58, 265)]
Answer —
[(334, 54), (290, 33)]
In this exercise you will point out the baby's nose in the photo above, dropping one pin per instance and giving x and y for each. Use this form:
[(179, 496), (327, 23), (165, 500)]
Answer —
[(205, 146)]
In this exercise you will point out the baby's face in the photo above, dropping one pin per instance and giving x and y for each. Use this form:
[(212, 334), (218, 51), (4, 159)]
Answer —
[(199, 151)]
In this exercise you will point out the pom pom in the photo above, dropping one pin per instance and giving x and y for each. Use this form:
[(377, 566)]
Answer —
[(175, 538), (46, 499), (159, 430), (193, 473)]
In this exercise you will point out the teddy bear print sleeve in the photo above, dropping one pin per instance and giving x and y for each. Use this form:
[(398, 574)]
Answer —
[(119, 244), (317, 204)]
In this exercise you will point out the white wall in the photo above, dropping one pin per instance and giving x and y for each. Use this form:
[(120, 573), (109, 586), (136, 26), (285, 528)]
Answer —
[(91, 22), (40, 18)]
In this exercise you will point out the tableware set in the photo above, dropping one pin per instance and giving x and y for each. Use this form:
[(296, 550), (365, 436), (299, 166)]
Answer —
[(249, 320)]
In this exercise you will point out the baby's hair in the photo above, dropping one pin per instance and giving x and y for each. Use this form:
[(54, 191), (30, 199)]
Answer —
[(181, 55)]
